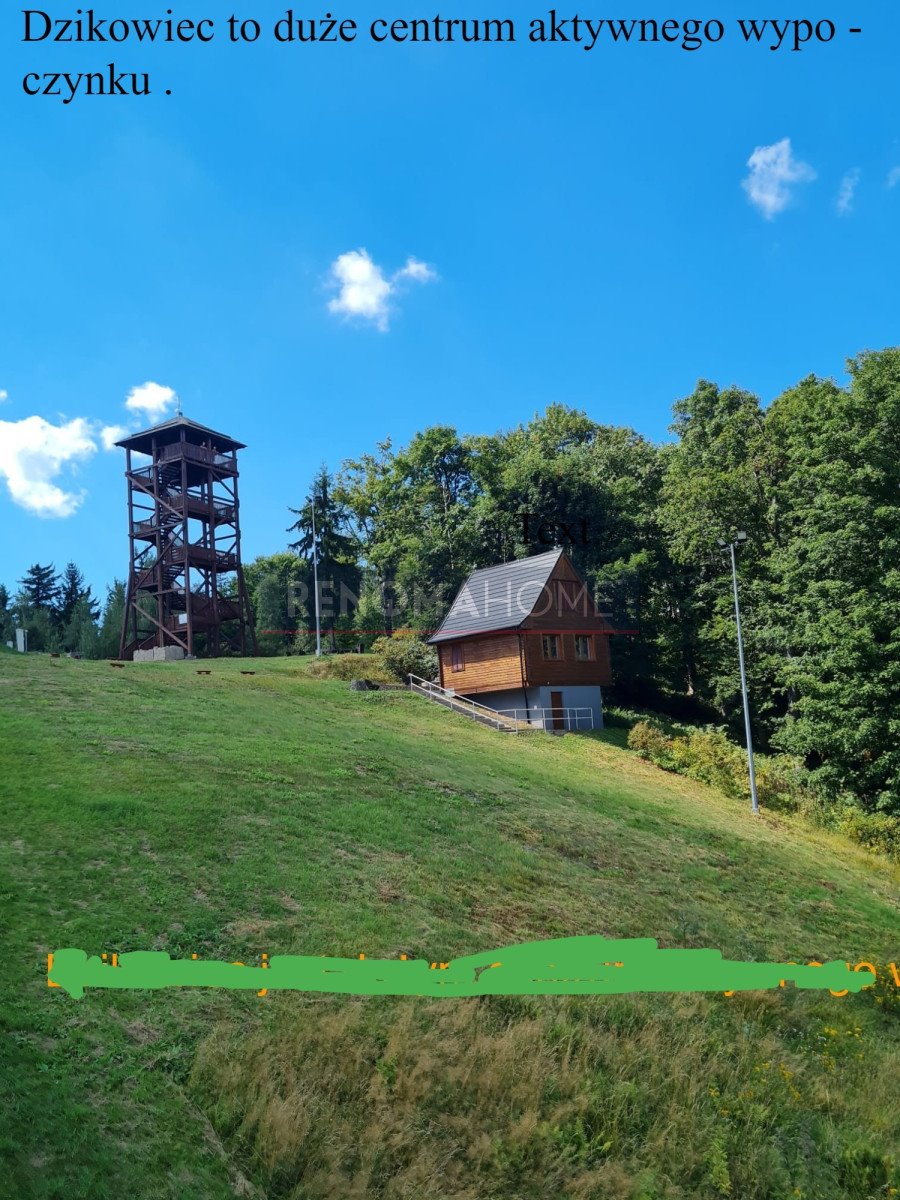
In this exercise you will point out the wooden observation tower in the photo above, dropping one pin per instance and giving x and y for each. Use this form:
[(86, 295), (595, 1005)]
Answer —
[(185, 576)]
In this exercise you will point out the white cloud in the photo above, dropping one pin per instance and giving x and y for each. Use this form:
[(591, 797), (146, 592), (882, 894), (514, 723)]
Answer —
[(150, 398), (4, 396), (419, 271), (893, 177), (365, 291), (33, 453), (110, 434), (773, 169), (847, 191)]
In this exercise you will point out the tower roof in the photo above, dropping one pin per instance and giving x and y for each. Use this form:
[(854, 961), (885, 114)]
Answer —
[(170, 431)]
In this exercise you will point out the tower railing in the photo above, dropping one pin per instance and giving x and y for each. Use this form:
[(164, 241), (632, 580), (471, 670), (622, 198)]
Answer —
[(200, 454)]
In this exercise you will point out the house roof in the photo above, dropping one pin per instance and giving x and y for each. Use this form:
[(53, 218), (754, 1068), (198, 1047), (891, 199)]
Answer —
[(495, 598), (169, 431)]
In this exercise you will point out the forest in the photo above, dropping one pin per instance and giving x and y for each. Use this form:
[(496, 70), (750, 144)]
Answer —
[(813, 479)]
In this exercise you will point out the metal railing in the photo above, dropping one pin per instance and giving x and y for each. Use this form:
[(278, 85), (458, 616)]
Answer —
[(566, 719), (462, 704), (511, 720)]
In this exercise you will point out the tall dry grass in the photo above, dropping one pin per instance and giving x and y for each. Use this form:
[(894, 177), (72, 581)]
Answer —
[(632, 1097)]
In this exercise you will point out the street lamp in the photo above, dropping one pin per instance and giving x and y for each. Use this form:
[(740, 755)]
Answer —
[(739, 539), (316, 577)]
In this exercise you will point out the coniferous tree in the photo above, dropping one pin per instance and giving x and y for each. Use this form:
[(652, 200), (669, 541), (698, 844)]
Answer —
[(72, 589), (6, 618), (40, 586), (111, 622), (41, 628), (335, 550), (80, 636)]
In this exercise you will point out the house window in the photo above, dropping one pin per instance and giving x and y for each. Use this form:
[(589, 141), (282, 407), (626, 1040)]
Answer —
[(456, 658), (582, 647), (550, 642)]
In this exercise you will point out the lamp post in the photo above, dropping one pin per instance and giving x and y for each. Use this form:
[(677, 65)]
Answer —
[(739, 539), (316, 577)]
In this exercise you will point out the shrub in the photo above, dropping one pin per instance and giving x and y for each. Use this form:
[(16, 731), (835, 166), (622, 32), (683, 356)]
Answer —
[(350, 666), (876, 831), (780, 783), (708, 756), (651, 743), (864, 1172), (617, 717), (406, 654), (885, 992), (781, 780)]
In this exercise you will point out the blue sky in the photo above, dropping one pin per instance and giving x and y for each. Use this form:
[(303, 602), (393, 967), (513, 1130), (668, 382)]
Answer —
[(541, 224)]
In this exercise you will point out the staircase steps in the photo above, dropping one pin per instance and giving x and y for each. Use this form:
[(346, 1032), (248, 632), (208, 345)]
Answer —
[(479, 713)]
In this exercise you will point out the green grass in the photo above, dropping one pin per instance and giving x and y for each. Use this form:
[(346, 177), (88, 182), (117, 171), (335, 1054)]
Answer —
[(152, 808)]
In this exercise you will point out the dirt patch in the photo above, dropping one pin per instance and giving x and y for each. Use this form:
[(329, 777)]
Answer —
[(511, 918), (388, 894), (141, 1034), (439, 786), (355, 852), (249, 928)]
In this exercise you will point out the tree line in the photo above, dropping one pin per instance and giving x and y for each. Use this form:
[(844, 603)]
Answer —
[(59, 613), (813, 479)]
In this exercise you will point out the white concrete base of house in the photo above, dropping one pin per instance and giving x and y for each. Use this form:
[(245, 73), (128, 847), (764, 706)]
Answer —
[(582, 706)]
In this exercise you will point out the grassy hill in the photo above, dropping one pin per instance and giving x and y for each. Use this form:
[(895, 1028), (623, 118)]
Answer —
[(226, 815)]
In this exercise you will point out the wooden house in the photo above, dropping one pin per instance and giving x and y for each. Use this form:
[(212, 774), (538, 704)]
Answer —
[(526, 637)]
